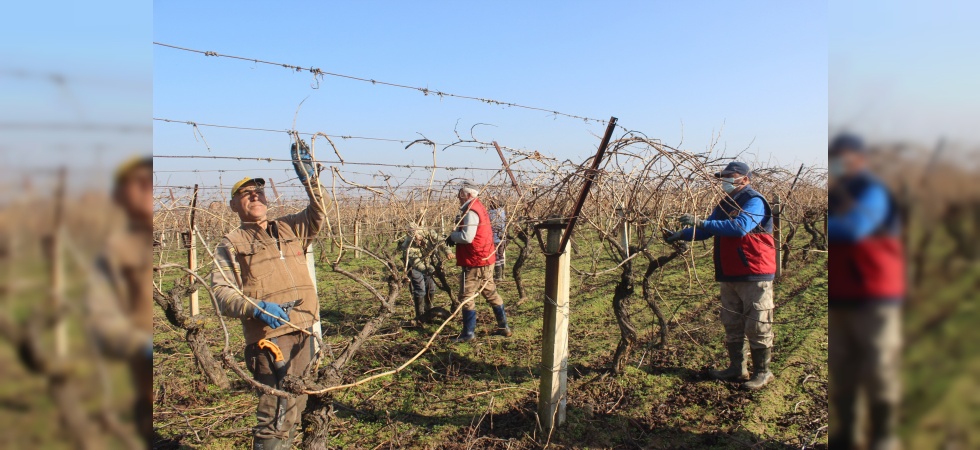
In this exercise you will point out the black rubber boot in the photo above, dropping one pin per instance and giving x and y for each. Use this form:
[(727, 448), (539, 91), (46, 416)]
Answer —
[(884, 421), (267, 444), (469, 324), (502, 328), (419, 308), (761, 375), (498, 273), (736, 370)]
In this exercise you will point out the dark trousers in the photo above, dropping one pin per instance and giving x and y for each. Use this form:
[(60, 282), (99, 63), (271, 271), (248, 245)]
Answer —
[(296, 348), (141, 369), (423, 289)]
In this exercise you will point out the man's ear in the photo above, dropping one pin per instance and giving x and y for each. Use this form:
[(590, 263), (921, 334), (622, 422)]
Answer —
[(233, 205)]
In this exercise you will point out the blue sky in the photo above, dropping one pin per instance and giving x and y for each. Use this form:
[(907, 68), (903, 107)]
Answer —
[(905, 71), (668, 69), (103, 52)]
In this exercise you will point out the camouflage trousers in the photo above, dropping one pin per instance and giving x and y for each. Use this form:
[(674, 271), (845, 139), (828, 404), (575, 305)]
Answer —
[(296, 347), (746, 312)]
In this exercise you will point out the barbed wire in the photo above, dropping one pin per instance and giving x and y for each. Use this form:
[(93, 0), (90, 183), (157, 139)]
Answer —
[(272, 130), (320, 73), (355, 163), (462, 144), (75, 126)]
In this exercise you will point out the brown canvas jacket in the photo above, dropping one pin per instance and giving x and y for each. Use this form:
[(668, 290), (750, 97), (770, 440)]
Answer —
[(251, 260)]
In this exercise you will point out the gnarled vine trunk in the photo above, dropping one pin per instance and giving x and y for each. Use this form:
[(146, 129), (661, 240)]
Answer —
[(622, 298), (171, 303)]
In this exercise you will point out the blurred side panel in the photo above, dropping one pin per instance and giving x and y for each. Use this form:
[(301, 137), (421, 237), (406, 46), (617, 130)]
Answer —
[(902, 82), (75, 104)]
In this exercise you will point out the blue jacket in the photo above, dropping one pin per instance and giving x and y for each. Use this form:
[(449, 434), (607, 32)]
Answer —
[(742, 229), (867, 261)]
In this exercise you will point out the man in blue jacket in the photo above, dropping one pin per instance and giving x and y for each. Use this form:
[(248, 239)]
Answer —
[(745, 265), (867, 273)]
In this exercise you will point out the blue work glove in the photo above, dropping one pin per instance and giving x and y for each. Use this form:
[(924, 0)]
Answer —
[(688, 220), (302, 161), (276, 311), (676, 236)]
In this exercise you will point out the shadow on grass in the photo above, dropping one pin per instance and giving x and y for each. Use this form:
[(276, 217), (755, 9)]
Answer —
[(517, 429)]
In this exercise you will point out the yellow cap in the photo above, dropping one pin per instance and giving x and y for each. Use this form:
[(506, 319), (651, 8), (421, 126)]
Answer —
[(258, 182), (131, 163)]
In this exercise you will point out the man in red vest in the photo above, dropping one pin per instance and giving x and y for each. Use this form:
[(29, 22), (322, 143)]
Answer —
[(745, 265), (476, 255), (867, 288)]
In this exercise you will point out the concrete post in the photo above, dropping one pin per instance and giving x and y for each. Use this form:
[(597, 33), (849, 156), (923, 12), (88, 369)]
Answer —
[(552, 397)]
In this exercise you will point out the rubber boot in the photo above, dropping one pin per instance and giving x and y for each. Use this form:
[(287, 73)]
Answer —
[(267, 443), (502, 328), (843, 436), (884, 420), (736, 370), (469, 324), (288, 443), (761, 375), (419, 308), (498, 273), (429, 295)]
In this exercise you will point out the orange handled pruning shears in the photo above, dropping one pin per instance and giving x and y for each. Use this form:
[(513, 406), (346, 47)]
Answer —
[(276, 351), (280, 365)]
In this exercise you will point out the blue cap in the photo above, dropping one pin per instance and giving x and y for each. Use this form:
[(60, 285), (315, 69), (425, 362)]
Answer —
[(846, 143), (735, 167)]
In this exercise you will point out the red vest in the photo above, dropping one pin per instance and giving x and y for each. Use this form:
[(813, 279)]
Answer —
[(481, 251), (872, 269), (751, 257)]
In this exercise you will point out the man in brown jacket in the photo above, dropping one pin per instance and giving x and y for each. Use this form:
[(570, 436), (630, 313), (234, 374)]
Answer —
[(118, 302), (260, 266)]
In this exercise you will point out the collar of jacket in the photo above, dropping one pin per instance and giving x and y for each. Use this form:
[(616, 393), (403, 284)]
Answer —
[(255, 226)]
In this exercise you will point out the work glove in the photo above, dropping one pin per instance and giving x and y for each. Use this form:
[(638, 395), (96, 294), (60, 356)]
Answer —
[(276, 313), (676, 236), (450, 242), (302, 161), (688, 220)]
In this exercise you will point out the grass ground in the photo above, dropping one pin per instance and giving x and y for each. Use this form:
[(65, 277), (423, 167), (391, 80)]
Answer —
[(942, 354), (663, 400)]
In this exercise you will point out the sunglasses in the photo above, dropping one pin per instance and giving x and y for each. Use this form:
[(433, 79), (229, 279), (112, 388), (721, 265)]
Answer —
[(244, 192)]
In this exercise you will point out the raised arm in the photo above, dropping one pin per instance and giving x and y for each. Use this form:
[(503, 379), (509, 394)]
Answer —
[(751, 215), (869, 211), (306, 224)]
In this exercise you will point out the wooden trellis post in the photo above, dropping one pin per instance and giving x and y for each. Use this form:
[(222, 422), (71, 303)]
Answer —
[(357, 239), (624, 237), (57, 268), (552, 391), (311, 265), (777, 234), (275, 192), (192, 254), (553, 388)]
